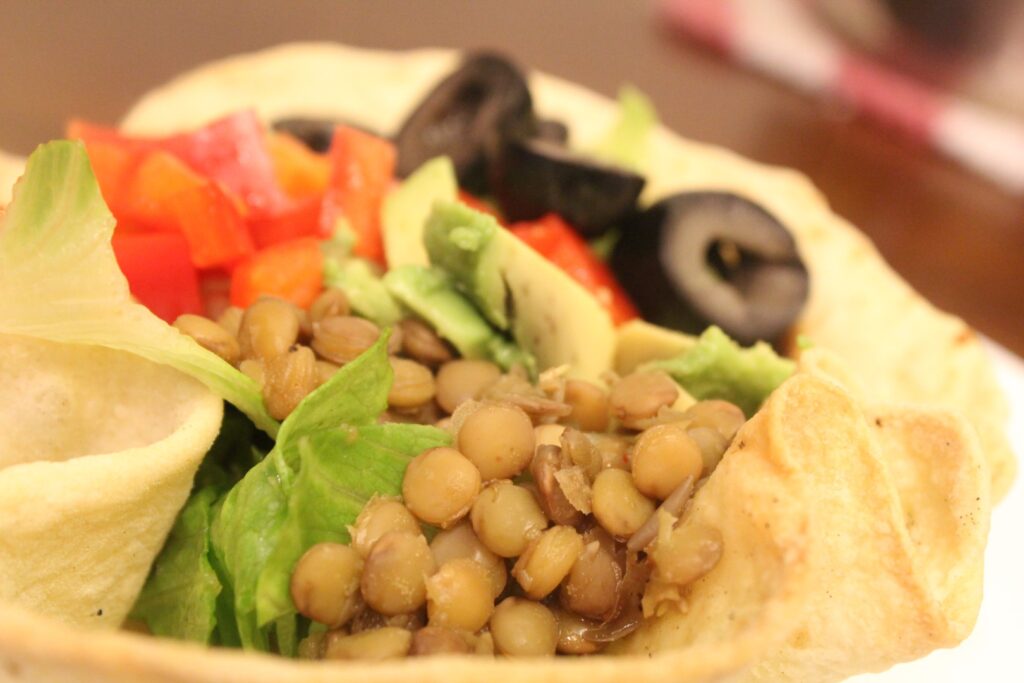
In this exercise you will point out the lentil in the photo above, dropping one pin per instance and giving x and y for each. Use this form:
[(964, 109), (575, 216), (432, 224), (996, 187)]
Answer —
[(268, 329), (325, 583), (498, 439), (382, 643), (462, 380), (461, 541), (378, 517), (394, 576), (663, 458), (440, 486), (459, 596), (413, 384), (618, 506), (547, 561), (341, 339), (210, 336), (506, 518), (524, 628)]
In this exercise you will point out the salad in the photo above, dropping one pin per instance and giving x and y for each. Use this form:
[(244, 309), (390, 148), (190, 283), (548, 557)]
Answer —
[(448, 431)]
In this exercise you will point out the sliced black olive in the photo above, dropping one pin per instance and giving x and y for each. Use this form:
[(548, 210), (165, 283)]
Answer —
[(702, 258), (467, 117), (535, 177), (313, 132)]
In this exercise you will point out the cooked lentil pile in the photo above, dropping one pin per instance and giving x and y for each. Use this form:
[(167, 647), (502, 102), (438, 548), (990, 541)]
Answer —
[(551, 524)]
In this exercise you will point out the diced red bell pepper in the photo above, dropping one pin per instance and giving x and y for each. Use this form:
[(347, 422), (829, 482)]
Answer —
[(556, 241), (231, 150), (159, 272), (300, 219), (300, 171), (164, 194), (362, 170), (289, 270)]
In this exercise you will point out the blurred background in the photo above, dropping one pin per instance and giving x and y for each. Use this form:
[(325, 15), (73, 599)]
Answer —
[(906, 113)]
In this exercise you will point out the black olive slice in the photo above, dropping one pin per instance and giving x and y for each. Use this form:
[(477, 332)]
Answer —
[(467, 117), (315, 133), (535, 177), (702, 258)]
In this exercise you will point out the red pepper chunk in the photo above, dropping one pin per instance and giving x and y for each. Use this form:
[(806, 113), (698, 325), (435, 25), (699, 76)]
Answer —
[(159, 272), (290, 270), (164, 194), (362, 170), (556, 241)]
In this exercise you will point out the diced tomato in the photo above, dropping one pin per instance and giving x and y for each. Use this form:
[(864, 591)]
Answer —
[(168, 290), (290, 270), (300, 171), (556, 241), (481, 205), (362, 169)]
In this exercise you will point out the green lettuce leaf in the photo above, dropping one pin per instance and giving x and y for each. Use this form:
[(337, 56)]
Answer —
[(340, 471), (179, 599), (628, 142), (59, 279), (717, 367), (247, 529)]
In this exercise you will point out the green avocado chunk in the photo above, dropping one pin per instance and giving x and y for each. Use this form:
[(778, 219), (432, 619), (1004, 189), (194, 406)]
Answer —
[(465, 243), (431, 294), (365, 291), (407, 208), (550, 315), (717, 367)]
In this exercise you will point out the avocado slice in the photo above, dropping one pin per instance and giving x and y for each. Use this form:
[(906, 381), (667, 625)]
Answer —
[(365, 291), (431, 294), (467, 244), (548, 313), (406, 210), (639, 342)]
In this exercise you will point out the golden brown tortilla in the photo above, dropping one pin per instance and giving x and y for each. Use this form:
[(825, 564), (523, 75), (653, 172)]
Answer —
[(900, 347)]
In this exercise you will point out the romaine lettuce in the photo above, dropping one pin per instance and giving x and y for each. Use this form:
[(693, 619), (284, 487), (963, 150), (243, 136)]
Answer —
[(330, 458), (59, 279), (717, 367)]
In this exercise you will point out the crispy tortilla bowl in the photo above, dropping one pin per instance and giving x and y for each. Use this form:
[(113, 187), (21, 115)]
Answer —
[(821, 502), (853, 526)]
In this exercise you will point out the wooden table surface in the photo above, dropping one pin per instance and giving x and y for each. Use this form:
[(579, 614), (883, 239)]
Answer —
[(956, 238)]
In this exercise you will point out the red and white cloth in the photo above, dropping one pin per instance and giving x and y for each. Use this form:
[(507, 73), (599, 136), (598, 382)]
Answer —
[(787, 39)]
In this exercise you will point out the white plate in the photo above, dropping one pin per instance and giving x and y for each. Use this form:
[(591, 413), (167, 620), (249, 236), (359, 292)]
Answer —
[(994, 653)]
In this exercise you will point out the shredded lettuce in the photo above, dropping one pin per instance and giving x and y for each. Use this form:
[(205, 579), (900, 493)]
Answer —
[(628, 141), (59, 279), (717, 367)]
